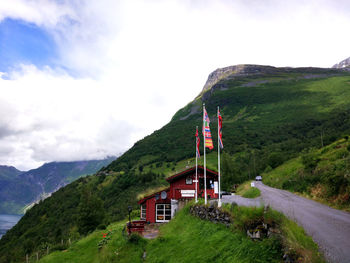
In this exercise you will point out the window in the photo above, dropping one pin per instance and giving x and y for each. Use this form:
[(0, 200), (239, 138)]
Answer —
[(210, 183), (143, 212), (189, 180), (163, 212)]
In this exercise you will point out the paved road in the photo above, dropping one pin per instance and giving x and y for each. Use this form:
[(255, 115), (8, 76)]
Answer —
[(330, 228)]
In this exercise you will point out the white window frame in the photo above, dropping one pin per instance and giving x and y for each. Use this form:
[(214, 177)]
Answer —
[(163, 214), (143, 211), (189, 178)]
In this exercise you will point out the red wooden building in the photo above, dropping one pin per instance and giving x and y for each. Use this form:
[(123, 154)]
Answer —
[(162, 206)]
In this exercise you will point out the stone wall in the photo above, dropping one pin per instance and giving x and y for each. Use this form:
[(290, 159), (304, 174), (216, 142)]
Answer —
[(211, 213)]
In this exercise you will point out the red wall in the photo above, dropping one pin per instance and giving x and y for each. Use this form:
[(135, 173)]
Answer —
[(175, 193), (151, 207), (180, 184)]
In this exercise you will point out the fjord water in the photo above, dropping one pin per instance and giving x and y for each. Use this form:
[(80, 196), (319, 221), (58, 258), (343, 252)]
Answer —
[(7, 222)]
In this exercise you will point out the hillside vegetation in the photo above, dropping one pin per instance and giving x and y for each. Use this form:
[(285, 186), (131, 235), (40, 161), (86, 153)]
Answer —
[(268, 119), (269, 116), (322, 174), (245, 190), (189, 239)]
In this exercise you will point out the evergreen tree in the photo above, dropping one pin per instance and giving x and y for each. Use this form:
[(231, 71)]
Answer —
[(91, 212)]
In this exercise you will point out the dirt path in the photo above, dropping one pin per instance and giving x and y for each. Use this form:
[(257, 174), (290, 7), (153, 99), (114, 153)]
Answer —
[(151, 231), (330, 228)]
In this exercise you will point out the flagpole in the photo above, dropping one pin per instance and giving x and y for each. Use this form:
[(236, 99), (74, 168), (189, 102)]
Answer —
[(205, 169), (197, 166), (219, 203)]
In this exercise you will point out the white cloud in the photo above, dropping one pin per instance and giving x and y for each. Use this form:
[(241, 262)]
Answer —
[(136, 62), (41, 12)]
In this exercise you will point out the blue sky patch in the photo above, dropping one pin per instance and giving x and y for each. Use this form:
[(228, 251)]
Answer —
[(22, 42)]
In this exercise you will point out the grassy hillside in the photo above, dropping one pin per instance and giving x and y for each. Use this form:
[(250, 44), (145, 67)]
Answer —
[(269, 117), (190, 239), (321, 174)]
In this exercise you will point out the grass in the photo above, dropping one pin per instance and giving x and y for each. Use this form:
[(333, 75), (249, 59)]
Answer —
[(299, 243), (292, 237), (245, 190), (319, 174), (189, 239), (117, 249), (278, 118)]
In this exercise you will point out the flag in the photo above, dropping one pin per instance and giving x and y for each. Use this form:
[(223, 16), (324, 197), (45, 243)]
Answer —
[(206, 131), (197, 144), (220, 129)]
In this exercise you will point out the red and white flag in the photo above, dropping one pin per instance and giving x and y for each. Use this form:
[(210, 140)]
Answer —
[(220, 129), (197, 144)]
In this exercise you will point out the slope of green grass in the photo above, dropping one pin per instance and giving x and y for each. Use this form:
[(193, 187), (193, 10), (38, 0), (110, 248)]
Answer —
[(321, 174), (116, 249), (189, 239), (265, 124), (245, 190)]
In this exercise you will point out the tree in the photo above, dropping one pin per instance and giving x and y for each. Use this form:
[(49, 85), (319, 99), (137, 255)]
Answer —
[(90, 212)]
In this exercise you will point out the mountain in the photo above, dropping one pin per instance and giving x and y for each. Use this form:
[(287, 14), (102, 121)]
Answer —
[(19, 189), (270, 115), (345, 64), (266, 110), (8, 172)]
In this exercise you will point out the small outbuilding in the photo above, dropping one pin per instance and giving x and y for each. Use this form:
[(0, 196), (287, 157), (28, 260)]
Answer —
[(162, 206)]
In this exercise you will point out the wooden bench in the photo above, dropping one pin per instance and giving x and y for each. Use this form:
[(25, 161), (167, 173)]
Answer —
[(137, 226)]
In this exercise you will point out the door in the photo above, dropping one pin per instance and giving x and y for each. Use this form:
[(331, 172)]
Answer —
[(163, 212)]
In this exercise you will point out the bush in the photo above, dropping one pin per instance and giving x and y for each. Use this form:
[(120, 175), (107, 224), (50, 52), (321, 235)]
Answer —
[(135, 238), (59, 247), (310, 161), (252, 193), (101, 226)]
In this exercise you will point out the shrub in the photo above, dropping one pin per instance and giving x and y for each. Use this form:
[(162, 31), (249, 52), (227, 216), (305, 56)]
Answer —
[(252, 193), (310, 161), (135, 238), (101, 226), (59, 247)]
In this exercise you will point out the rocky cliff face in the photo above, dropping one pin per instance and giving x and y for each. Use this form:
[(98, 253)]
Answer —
[(345, 64), (237, 71)]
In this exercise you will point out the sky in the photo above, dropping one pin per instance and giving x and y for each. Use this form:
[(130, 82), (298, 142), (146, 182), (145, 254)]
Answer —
[(84, 79)]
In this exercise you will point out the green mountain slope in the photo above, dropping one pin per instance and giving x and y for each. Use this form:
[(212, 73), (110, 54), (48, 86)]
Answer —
[(270, 115), (321, 174)]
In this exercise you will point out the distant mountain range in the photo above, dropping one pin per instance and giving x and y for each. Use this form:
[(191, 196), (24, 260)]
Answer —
[(9, 172), (20, 189)]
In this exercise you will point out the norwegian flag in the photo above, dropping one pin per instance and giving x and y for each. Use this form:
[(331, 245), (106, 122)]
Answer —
[(197, 144), (220, 129), (206, 131)]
